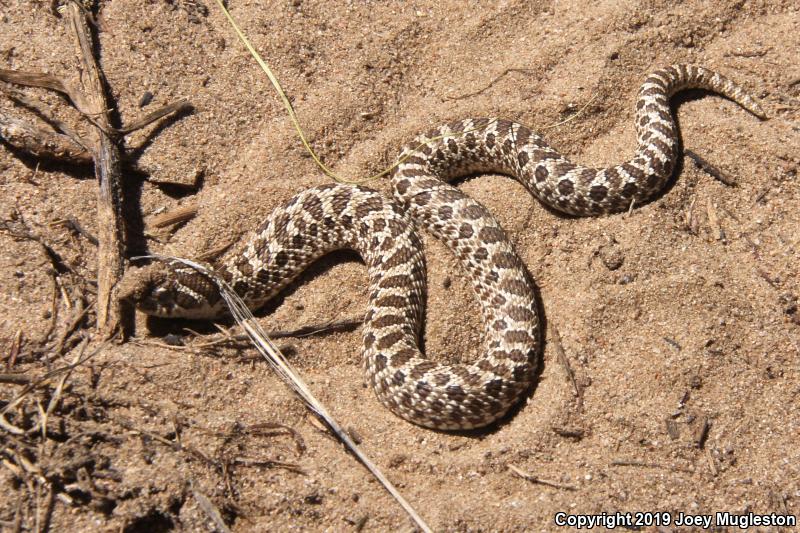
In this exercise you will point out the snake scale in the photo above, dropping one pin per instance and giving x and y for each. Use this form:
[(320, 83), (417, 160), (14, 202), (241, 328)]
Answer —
[(322, 219)]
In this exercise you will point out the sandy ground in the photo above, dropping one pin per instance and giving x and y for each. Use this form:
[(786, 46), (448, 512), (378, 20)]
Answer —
[(684, 345)]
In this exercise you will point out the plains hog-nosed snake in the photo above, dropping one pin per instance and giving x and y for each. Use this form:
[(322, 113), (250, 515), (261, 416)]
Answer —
[(322, 219)]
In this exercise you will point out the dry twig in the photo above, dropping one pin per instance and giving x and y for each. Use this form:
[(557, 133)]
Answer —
[(174, 216), (75, 226), (702, 433), (169, 109), (42, 143), (710, 169), (13, 352), (495, 80), (713, 220), (107, 162), (643, 464), (47, 81), (555, 338), (540, 481), (692, 224), (39, 109)]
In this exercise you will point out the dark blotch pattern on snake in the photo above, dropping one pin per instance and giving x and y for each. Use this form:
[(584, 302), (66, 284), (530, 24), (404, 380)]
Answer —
[(322, 219)]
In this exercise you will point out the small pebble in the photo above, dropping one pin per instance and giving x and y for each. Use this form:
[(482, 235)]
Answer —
[(146, 98), (173, 340), (355, 435), (397, 460), (625, 279), (313, 499)]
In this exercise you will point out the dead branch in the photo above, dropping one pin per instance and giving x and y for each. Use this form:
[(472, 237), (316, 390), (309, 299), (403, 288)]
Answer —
[(107, 162), (48, 81), (103, 147), (175, 107), (40, 110), (40, 142)]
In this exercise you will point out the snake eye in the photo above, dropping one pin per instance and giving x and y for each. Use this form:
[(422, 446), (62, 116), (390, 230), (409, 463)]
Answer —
[(161, 295)]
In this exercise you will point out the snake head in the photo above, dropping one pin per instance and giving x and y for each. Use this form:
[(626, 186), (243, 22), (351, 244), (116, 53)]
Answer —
[(170, 290)]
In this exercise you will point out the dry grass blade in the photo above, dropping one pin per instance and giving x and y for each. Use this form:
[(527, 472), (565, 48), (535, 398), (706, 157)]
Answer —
[(573, 116), (287, 104), (59, 389), (282, 367)]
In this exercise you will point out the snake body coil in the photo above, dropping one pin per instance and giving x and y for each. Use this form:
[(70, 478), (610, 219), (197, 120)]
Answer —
[(323, 219)]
